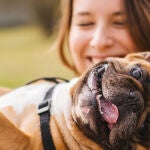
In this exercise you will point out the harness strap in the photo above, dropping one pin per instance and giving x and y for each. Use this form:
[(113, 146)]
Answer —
[(44, 112), (50, 79)]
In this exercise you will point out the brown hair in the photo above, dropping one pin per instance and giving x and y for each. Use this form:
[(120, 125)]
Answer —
[(138, 14), (64, 28)]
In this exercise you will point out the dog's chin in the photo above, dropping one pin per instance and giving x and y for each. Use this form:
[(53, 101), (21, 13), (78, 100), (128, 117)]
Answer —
[(98, 117)]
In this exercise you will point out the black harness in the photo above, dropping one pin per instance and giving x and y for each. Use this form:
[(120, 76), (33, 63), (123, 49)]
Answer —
[(44, 113)]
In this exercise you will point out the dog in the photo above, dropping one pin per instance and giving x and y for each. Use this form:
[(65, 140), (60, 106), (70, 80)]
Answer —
[(107, 108)]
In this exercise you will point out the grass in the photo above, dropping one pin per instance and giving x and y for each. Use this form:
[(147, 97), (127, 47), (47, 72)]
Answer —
[(25, 55)]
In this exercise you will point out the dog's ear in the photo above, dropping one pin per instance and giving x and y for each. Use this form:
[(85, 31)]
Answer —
[(139, 55), (146, 55)]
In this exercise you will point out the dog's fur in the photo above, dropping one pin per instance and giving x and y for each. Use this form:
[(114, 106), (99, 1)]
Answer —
[(108, 107)]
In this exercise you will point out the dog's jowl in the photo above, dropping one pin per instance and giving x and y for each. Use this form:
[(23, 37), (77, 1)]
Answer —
[(107, 108)]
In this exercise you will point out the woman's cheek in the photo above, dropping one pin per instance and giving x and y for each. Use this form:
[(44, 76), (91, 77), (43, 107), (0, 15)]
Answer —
[(76, 41)]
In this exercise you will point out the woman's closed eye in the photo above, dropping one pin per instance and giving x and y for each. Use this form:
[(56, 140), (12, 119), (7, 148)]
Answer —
[(119, 23), (85, 24)]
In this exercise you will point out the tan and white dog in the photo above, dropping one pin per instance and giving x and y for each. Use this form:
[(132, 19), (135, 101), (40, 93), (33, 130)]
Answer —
[(108, 107)]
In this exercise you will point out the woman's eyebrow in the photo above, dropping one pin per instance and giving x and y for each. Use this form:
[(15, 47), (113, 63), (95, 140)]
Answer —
[(118, 13), (85, 13), (82, 14)]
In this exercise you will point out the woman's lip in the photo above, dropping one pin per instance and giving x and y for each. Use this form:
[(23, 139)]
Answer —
[(96, 59)]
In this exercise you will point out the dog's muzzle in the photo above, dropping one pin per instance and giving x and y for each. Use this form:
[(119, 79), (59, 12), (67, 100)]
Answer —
[(108, 110)]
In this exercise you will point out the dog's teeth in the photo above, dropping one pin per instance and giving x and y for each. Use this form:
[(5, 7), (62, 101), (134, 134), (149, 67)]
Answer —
[(101, 112), (98, 96), (95, 91), (98, 99), (100, 90)]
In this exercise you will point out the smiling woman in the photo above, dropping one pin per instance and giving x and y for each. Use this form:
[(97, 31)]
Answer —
[(95, 29), (98, 30)]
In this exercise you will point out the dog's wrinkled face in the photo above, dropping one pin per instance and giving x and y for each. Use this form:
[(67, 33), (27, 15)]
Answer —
[(112, 102)]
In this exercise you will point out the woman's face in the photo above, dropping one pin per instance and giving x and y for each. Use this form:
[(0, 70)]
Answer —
[(98, 30)]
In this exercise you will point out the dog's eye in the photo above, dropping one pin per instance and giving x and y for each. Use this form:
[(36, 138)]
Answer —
[(136, 73)]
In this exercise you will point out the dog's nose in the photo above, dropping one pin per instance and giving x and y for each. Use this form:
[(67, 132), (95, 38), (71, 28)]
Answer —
[(95, 77), (101, 70), (111, 68)]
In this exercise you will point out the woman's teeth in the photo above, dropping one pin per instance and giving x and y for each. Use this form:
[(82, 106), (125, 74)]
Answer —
[(95, 60)]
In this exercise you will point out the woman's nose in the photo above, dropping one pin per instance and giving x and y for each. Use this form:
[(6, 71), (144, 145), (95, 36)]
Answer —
[(102, 39)]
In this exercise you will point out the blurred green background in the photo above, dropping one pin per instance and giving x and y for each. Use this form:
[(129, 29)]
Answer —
[(26, 28)]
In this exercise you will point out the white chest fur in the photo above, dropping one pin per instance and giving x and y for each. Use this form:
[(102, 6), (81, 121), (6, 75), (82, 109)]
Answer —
[(35, 93), (24, 96)]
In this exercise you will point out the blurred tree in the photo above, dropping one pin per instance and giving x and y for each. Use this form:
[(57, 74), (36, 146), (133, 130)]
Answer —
[(47, 13), (16, 12), (20, 12)]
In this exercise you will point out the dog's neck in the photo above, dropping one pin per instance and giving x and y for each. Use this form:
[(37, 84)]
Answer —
[(22, 97)]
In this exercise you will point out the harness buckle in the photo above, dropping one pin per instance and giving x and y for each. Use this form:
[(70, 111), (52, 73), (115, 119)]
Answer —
[(43, 107)]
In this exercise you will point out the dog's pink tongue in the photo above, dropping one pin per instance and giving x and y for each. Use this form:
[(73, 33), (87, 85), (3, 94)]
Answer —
[(110, 112)]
